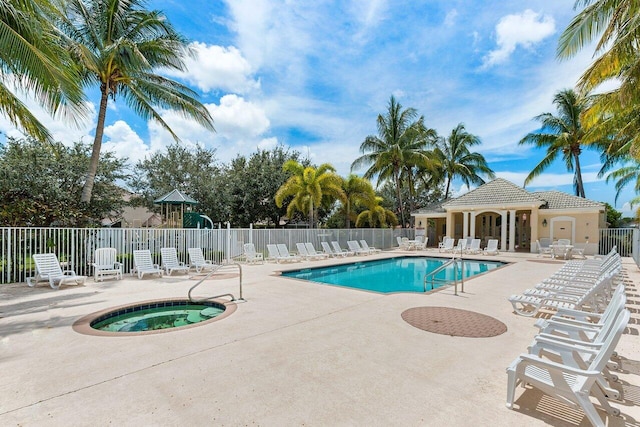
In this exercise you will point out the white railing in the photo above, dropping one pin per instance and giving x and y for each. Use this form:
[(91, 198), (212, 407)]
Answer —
[(75, 246), (622, 238)]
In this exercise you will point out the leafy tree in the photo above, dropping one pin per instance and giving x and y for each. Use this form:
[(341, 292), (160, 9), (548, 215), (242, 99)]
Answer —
[(40, 185), (33, 58), (357, 191), (613, 216), (455, 159), (560, 135), (194, 171), (402, 142), (118, 46), (252, 184), (309, 188), (376, 216)]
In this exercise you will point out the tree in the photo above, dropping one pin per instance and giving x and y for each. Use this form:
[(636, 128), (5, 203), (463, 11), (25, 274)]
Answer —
[(357, 191), (456, 159), (402, 141), (308, 186), (194, 171), (118, 46), (560, 135), (628, 173), (40, 185), (376, 215), (613, 216), (33, 58), (252, 184)]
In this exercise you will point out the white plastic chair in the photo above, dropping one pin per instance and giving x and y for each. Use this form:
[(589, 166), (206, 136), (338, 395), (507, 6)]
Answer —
[(251, 255), (474, 248), (446, 245), (285, 255), (354, 247), (105, 264), (311, 250), (170, 261), (197, 261), (48, 270), (338, 250), (492, 247), (143, 264), (366, 247)]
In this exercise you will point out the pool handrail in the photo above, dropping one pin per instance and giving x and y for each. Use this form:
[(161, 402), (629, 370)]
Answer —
[(453, 261), (211, 273)]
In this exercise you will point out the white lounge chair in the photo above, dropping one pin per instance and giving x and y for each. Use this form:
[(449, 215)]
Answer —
[(403, 243), (311, 250), (474, 248), (327, 250), (285, 255), (492, 247), (170, 261), (421, 242), (304, 253), (568, 383), (251, 255), (460, 247), (143, 264), (105, 265), (371, 249), (273, 253), (338, 250), (446, 245), (197, 261), (544, 246), (48, 270), (354, 247), (579, 250)]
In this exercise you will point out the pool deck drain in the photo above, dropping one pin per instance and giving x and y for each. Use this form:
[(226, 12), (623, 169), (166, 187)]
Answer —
[(454, 322)]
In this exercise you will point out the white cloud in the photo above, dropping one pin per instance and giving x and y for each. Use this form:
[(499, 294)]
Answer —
[(237, 117), (450, 18), (547, 180), (525, 29), (124, 142), (217, 67)]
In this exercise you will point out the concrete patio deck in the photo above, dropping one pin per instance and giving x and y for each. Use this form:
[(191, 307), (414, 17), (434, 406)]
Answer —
[(295, 353)]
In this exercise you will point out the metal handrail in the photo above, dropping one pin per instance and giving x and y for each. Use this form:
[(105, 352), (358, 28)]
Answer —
[(456, 271), (211, 273)]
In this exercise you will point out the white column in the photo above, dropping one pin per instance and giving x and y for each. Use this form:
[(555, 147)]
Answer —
[(465, 224), (503, 232), (533, 220), (450, 226), (472, 233), (512, 230)]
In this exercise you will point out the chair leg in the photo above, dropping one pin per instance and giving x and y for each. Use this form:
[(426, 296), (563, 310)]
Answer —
[(590, 411)]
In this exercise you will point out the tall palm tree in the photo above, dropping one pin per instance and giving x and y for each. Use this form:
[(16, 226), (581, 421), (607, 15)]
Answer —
[(561, 135), (32, 58), (376, 216), (357, 191), (308, 186), (457, 160), (402, 140), (119, 46)]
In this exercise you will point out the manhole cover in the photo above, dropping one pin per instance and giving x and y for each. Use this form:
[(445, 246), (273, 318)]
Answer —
[(454, 322)]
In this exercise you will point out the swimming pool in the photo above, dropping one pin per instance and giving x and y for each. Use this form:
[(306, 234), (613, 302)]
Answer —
[(402, 274)]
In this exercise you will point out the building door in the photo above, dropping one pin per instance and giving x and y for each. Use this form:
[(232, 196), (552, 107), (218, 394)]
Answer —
[(523, 230), (562, 230)]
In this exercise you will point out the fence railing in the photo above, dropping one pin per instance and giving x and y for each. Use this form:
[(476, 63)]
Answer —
[(623, 238), (75, 246)]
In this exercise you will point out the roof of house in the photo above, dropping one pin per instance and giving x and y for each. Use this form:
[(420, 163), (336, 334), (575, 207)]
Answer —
[(502, 192), (560, 200), (496, 192), (176, 197)]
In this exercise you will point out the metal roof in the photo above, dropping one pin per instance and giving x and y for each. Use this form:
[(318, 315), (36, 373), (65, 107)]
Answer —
[(175, 197)]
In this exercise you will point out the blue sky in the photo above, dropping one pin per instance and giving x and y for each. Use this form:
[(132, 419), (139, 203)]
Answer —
[(313, 76)]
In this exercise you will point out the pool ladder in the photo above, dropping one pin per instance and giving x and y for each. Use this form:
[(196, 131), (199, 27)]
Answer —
[(211, 273), (458, 269)]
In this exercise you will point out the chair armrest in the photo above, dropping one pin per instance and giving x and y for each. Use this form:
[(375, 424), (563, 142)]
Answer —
[(567, 344), (69, 273), (555, 366)]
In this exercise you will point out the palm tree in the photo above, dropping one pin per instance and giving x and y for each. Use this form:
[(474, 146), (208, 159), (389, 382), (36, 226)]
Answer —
[(402, 142), (308, 186), (32, 58), (561, 135), (376, 216), (118, 45), (627, 174), (456, 159), (357, 191)]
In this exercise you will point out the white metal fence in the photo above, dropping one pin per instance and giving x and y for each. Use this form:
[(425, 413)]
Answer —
[(75, 246), (625, 239)]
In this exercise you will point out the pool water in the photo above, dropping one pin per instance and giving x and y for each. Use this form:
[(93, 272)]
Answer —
[(402, 274), (151, 317)]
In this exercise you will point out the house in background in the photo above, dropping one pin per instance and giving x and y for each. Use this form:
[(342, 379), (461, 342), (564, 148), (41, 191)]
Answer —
[(516, 217), (132, 217)]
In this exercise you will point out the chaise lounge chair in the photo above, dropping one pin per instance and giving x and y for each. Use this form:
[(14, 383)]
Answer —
[(250, 254), (354, 247), (492, 247), (338, 250), (143, 264), (544, 246), (446, 245), (197, 261), (105, 264), (170, 261), (311, 250), (371, 249), (48, 270)]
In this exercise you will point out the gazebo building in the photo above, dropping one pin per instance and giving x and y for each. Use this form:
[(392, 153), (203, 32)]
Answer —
[(516, 217)]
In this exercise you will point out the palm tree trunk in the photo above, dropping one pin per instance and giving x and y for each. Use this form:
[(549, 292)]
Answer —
[(399, 194), (579, 183), (446, 193), (97, 144)]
